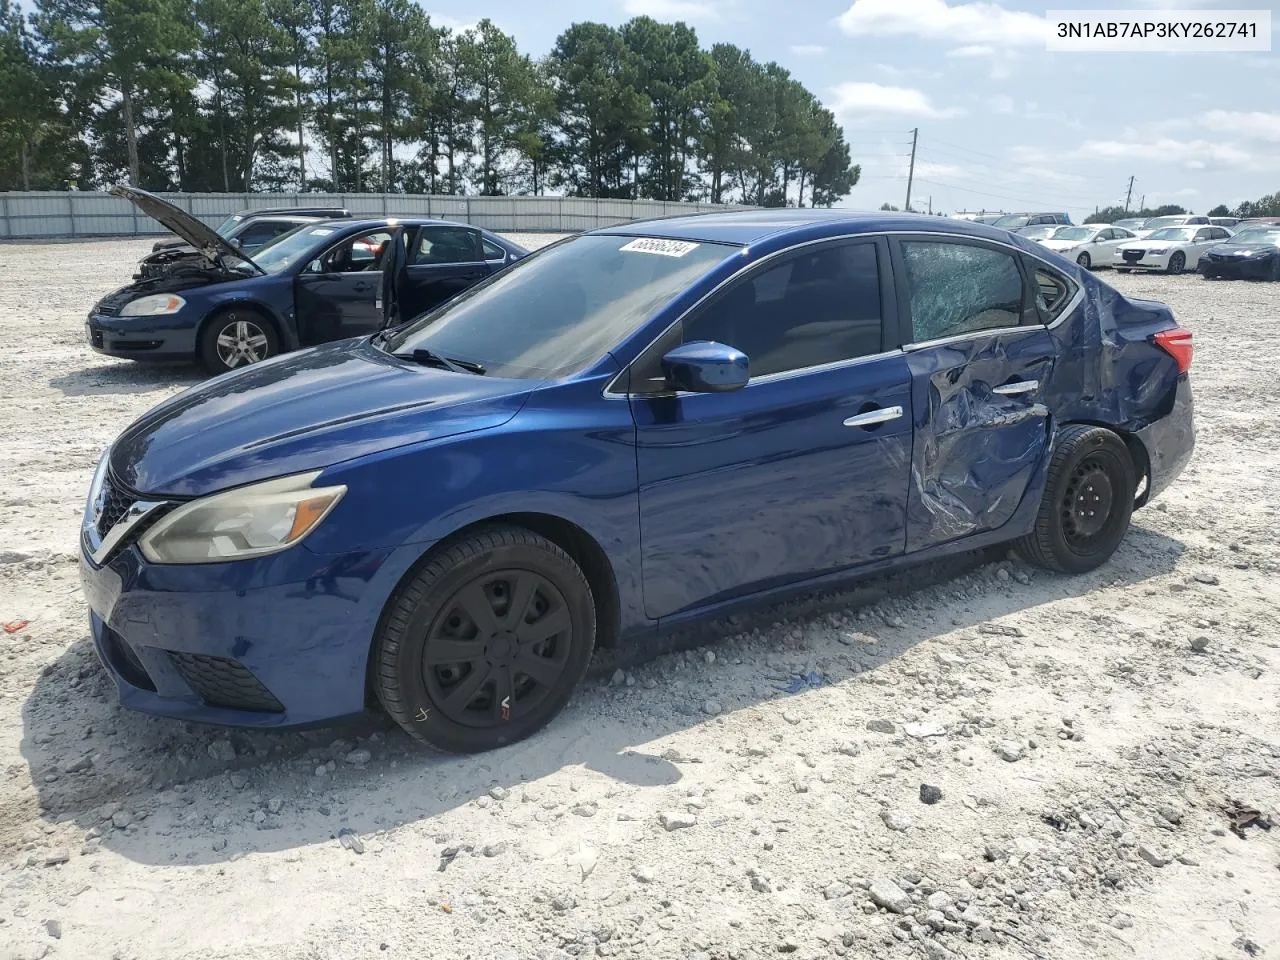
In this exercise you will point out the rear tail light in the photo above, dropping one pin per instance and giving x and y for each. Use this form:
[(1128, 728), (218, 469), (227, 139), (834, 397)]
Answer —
[(1176, 343)]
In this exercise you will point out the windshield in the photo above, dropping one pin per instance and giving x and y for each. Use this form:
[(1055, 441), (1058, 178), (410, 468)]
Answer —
[(1134, 224), (1173, 233), (1159, 222), (562, 307), (1011, 222), (301, 243), (227, 225), (1258, 235), (1041, 231), (1075, 233)]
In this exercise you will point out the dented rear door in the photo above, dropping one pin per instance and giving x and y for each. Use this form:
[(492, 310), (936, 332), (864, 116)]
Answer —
[(980, 361)]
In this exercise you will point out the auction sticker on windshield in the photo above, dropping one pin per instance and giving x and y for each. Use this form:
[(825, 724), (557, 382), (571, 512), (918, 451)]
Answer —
[(663, 248)]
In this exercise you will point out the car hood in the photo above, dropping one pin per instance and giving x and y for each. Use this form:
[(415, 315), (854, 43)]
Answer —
[(303, 411), (1156, 245), (1062, 244), (1260, 249), (178, 221)]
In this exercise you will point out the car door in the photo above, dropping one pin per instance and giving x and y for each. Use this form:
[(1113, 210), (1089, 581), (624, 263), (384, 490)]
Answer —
[(801, 472), (1118, 236), (336, 294), (442, 262), (1201, 240), (979, 357)]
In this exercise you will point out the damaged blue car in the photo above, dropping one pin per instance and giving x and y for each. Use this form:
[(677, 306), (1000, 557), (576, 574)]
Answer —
[(627, 430)]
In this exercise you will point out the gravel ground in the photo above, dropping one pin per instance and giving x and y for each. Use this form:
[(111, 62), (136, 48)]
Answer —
[(762, 790)]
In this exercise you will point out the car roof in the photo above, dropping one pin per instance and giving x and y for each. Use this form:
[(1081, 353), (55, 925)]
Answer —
[(747, 227)]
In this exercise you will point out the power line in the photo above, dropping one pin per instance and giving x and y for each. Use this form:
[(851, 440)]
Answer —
[(1007, 166), (982, 193)]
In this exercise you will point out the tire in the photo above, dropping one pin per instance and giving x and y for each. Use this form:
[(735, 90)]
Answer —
[(1176, 263), (237, 338), (450, 631), (1087, 462), (1083, 261)]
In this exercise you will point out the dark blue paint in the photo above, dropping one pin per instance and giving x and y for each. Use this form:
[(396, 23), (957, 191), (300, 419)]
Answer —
[(305, 309), (706, 367), (699, 502)]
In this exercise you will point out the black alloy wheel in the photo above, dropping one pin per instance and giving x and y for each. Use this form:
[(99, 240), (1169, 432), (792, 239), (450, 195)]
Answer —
[(485, 642)]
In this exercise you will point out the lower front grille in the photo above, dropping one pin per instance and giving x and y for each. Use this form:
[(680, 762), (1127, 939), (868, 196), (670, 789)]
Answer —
[(95, 338), (125, 662), (223, 682)]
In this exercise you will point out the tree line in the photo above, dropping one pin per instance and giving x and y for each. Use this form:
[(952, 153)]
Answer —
[(370, 95)]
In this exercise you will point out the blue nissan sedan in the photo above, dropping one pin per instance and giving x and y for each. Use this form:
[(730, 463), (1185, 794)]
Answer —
[(627, 430), (226, 308)]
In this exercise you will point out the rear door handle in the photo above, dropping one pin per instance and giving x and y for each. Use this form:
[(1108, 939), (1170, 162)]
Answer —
[(873, 417), (1013, 389)]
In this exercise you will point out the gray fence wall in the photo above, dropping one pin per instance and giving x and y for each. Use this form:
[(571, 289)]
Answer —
[(39, 214)]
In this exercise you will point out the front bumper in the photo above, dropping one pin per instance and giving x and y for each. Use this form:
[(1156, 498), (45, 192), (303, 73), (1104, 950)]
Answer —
[(275, 642), (1240, 268), (1169, 441), (1151, 260), (141, 338)]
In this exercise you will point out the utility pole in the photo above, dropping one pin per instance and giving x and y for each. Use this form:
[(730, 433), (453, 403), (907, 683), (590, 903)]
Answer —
[(931, 205), (911, 173), (1128, 196)]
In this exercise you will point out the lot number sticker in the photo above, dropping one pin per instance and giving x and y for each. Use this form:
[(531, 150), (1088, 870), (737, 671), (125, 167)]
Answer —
[(663, 248)]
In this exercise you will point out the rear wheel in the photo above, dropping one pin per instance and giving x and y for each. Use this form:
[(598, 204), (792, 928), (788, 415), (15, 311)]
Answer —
[(237, 338), (1177, 263), (1087, 502), (1084, 261), (485, 645)]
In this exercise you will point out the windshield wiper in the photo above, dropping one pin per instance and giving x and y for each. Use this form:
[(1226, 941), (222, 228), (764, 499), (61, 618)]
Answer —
[(429, 359)]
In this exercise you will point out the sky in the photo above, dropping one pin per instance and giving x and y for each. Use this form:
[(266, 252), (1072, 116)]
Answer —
[(1003, 124)]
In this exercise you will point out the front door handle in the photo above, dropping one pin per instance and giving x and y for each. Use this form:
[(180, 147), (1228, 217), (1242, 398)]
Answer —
[(1013, 389), (873, 417)]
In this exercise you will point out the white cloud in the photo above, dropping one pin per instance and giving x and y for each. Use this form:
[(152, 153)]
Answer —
[(1251, 126), (977, 23), (902, 73), (1192, 154), (808, 49), (926, 168), (671, 9), (973, 50), (1000, 103), (456, 24), (854, 100)]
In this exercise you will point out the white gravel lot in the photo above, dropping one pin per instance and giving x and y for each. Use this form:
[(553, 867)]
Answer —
[(1086, 735)]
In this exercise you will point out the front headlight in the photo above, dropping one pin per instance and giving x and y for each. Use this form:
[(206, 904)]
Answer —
[(247, 522), (155, 305)]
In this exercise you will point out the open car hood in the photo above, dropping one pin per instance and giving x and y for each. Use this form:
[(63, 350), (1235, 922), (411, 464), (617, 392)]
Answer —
[(178, 221)]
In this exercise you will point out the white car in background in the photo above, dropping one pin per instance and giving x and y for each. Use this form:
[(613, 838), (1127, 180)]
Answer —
[(1090, 246), (1161, 223), (1170, 250)]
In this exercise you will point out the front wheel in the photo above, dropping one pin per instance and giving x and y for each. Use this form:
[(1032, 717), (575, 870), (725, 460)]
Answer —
[(1087, 502), (1083, 261), (485, 644), (236, 339), (1177, 262)]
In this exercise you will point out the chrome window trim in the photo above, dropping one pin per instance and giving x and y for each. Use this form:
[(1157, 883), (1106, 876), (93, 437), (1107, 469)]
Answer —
[(609, 393)]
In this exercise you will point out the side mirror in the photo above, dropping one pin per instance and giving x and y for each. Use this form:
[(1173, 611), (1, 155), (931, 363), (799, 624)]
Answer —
[(705, 366), (236, 242)]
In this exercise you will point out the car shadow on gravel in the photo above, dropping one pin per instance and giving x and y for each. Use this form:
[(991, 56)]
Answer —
[(120, 378), (184, 794)]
